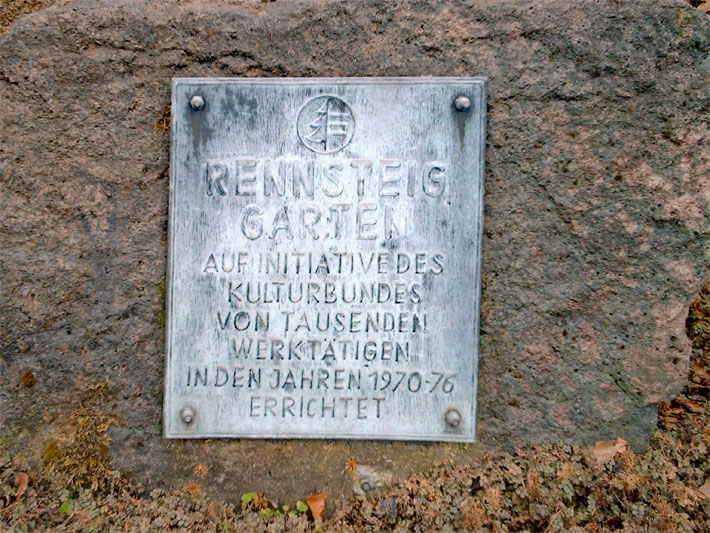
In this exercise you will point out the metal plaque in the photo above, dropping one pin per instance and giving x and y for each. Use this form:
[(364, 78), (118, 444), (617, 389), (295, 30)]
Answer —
[(324, 264)]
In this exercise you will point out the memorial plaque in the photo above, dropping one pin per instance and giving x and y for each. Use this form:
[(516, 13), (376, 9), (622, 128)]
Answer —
[(325, 258)]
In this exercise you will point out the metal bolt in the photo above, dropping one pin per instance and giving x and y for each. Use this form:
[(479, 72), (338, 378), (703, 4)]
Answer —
[(187, 414), (452, 417), (462, 103), (366, 486), (197, 102)]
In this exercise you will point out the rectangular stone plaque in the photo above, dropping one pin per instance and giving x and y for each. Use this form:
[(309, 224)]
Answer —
[(324, 259)]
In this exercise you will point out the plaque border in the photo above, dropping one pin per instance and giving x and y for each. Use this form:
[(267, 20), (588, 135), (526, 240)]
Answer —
[(481, 103)]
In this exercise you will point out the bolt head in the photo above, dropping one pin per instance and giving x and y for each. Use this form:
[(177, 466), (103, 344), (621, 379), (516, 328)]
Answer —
[(187, 414), (197, 102), (366, 486), (452, 417), (462, 103)]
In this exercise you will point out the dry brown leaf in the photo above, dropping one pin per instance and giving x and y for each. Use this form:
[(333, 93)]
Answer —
[(493, 498), (704, 7), (699, 374), (261, 502), (684, 496), (83, 517), (473, 514), (21, 480), (705, 489), (316, 503), (533, 485), (605, 450), (694, 406), (214, 511)]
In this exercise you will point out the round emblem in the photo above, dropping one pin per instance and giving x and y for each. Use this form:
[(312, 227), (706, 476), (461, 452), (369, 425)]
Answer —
[(325, 124)]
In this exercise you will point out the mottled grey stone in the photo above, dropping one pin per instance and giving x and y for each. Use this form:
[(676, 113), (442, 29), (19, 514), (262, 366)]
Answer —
[(596, 217)]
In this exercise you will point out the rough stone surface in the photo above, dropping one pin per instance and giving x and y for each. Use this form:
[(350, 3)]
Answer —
[(598, 182)]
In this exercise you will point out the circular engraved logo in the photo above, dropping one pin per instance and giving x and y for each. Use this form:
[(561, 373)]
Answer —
[(325, 124)]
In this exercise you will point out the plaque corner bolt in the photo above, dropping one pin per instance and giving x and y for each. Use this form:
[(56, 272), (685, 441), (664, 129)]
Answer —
[(187, 414), (462, 103), (197, 102), (452, 417)]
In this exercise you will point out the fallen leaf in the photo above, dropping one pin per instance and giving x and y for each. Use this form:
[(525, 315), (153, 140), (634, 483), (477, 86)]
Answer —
[(705, 489), (684, 496), (605, 450), (316, 503), (493, 498), (694, 406), (21, 480), (261, 502), (533, 485), (214, 511), (700, 374), (704, 7)]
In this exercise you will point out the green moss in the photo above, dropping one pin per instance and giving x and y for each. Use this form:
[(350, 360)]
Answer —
[(51, 452), (27, 379), (82, 459), (162, 123)]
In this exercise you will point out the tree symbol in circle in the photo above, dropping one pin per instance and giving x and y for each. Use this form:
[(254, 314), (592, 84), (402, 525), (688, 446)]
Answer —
[(325, 124)]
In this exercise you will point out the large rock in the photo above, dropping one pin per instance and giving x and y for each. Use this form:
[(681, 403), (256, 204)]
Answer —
[(596, 239)]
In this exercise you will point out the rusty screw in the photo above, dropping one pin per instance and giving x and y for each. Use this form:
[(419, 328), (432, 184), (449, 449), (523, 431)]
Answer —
[(187, 414), (452, 417), (462, 103), (197, 102)]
